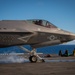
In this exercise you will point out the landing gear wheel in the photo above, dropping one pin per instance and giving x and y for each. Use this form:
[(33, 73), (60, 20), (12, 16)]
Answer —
[(33, 59)]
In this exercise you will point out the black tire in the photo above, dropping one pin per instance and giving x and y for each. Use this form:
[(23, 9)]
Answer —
[(33, 59)]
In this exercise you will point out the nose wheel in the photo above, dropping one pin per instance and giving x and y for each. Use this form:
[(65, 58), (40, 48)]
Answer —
[(33, 58)]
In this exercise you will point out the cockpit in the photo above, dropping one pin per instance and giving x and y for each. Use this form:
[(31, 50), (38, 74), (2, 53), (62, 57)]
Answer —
[(42, 23)]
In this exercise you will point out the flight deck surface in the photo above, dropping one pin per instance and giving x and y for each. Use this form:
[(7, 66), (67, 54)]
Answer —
[(52, 66)]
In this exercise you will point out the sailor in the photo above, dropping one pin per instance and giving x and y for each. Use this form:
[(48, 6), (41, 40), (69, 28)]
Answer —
[(66, 53), (60, 53)]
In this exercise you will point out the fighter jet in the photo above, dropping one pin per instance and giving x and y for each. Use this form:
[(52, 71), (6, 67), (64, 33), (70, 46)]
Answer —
[(35, 32)]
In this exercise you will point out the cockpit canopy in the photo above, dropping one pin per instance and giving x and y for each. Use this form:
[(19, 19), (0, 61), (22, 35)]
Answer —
[(42, 23)]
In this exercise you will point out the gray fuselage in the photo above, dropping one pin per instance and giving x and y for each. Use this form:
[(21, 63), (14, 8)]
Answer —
[(21, 32)]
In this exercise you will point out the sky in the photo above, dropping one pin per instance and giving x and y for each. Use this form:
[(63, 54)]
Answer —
[(59, 12)]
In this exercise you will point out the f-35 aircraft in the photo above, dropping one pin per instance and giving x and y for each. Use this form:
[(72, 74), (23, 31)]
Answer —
[(36, 33)]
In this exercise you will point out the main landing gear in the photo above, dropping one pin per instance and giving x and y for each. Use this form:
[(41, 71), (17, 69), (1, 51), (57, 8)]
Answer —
[(34, 57)]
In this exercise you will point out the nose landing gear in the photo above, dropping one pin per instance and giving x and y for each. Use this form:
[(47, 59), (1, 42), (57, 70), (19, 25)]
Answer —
[(34, 57)]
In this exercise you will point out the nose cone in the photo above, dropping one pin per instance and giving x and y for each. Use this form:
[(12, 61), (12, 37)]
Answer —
[(71, 35), (68, 36)]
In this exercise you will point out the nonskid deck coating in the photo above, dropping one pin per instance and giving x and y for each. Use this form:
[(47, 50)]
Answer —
[(52, 68)]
